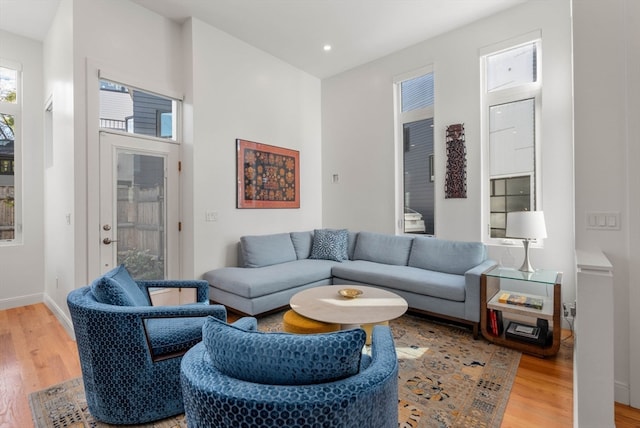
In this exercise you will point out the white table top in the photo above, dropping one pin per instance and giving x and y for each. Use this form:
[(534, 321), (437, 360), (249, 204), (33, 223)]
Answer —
[(325, 304)]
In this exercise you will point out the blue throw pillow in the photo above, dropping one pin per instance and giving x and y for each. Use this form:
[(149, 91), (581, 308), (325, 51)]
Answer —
[(330, 244), (282, 358), (116, 287)]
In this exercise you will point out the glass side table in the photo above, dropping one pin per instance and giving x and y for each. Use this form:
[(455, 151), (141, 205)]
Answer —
[(522, 310)]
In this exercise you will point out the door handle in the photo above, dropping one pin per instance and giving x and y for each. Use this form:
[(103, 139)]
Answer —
[(108, 241)]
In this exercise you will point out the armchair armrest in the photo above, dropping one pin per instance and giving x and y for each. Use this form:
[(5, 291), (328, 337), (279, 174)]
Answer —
[(201, 286)]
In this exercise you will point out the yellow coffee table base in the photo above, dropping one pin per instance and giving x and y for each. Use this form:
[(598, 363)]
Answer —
[(293, 322)]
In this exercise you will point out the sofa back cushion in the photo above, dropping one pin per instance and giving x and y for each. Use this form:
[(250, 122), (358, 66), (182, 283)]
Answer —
[(266, 250), (302, 242), (455, 257), (116, 287), (383, 248), (282, 358)]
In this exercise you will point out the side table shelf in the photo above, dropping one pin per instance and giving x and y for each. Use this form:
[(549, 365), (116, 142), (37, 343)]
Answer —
[(499, 280)]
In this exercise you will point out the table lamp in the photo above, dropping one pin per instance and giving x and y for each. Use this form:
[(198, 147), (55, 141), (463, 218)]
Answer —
[(526, 225)]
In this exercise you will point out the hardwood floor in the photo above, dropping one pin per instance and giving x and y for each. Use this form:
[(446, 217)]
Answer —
[(36, 352)]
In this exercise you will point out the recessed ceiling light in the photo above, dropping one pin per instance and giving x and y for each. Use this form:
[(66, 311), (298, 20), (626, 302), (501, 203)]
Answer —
[(326, 48)]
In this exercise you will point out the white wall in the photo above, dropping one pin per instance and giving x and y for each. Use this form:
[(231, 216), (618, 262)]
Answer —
[(22, 263), (59, 172), (358, 133), (606, 79), (238, 91), (632, 14), (107, 35)]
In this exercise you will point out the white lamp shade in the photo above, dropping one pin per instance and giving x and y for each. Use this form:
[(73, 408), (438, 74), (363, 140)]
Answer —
[(526, 225)]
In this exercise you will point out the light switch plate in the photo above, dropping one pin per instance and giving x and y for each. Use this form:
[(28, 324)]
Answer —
[(603, 220)]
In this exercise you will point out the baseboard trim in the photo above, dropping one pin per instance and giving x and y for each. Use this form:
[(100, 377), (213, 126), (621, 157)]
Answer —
[(15, 302), (621, 393), (60, 315)]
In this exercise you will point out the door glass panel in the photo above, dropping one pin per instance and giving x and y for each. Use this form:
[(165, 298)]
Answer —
[(141, 214), (418, 186)]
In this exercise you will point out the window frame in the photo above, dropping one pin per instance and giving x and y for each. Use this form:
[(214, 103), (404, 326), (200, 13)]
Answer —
[(531, 90), (15, 110), (400, 119)]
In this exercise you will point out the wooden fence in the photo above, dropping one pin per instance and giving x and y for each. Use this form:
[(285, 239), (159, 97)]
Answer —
[(7, 213), (140, 220)]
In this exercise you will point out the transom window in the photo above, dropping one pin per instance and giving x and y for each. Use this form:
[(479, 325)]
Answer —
[(131, 110)]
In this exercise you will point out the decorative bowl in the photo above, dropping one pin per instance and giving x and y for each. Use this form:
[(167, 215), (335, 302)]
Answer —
[(350, 293)]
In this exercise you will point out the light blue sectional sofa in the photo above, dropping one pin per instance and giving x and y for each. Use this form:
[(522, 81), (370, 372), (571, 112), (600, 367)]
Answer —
[(435, 276)]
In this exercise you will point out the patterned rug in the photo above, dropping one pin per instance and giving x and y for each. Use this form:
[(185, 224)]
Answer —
[(446, 379)]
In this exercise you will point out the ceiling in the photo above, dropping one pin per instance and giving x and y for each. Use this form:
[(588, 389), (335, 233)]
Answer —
[(295, 31)]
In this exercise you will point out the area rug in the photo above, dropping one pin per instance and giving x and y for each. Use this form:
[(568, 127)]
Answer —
[(446, 379)]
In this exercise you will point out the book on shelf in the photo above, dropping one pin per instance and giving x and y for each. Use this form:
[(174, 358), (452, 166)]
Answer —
[(520, 300), (494, 322)]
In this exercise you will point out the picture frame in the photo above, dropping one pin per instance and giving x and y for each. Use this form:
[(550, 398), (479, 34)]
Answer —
[(267, 176)]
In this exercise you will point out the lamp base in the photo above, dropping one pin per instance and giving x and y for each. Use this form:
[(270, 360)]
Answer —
[(526, 265)]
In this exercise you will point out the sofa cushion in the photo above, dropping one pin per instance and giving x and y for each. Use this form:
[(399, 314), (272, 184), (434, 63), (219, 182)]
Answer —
[(252, 283), (353, 237), (381, 248), (116, 287), (266, 250), (402, 278), (329, 244), (282, 358), (175, 334), (440, 255), (302, 242)]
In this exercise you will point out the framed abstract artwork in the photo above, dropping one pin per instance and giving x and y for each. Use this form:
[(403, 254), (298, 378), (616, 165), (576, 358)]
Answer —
[(268, 176)]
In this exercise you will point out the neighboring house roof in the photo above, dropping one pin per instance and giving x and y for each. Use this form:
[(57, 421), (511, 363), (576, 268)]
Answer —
[(6, 148)]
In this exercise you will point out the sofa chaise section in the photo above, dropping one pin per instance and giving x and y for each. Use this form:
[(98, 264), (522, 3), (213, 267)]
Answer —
[(272, 269)]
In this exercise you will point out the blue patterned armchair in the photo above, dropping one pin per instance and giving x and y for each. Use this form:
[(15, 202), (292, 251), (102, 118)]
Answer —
[(130, 351), (238, 377)]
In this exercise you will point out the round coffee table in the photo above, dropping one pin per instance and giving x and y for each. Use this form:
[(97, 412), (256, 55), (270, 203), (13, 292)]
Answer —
[(373, 306)]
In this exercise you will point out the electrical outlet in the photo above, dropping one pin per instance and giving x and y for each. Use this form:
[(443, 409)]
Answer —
[(569, 309)]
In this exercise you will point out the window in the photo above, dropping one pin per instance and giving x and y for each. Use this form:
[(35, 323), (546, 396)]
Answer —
[(10, 109), (511, 100), (415, 123), (131, 110)]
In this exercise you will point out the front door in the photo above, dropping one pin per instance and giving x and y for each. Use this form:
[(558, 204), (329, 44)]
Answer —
[(139, 205)]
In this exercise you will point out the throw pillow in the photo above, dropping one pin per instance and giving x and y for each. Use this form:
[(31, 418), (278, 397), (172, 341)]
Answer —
[(330, 244), (282, 358), (116, 287)]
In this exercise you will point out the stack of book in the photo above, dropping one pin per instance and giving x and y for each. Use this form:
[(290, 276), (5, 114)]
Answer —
[(519, 300), (494, 322)]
